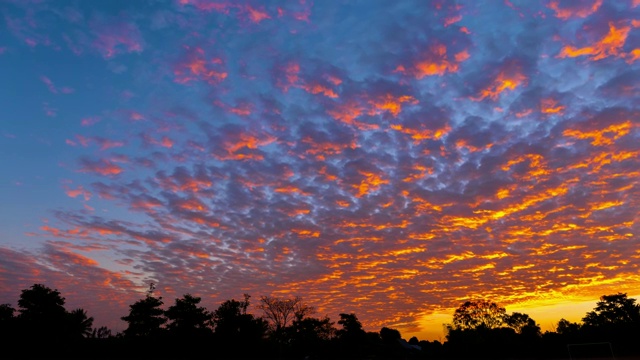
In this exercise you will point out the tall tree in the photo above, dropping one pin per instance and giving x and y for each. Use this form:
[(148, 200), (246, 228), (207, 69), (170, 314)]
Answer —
[(186, 318), (613, 309), (352, 338), (478, 314), (146, 316)]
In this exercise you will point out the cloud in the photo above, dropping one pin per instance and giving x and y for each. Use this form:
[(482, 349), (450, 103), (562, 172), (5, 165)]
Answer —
[(196, 66), (568, 9), (116, 36), (103, 167), (390, 167)]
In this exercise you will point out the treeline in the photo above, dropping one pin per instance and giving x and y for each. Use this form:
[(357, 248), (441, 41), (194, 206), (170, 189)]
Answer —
[(287, 328)]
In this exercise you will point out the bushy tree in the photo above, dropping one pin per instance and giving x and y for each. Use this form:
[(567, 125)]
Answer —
[(566, 327), (41, 312), (231, 321), (186, 318), (351, 326), (522, 324), (390, 336), (237, 330), (146, 316), (311, 336), (612, 310), (475, 314)]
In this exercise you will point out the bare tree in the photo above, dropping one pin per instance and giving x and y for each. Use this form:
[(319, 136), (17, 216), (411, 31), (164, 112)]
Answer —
[(282, 312)]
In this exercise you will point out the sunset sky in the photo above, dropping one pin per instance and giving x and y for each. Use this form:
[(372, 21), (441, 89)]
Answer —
[(387, 158)]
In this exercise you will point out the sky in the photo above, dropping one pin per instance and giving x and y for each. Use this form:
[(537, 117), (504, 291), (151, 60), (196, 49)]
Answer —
[(387, 158)]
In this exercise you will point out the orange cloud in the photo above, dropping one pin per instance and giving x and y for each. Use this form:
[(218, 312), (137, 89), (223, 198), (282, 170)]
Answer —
[(550, 106), (435, 61), (321, 149), (348, 112), (290, 77), (507, 79), (371, 182), (421, 134), (306, 233), (390, 103), (236, 146), (316, 88), (601, 137), (610, 45)]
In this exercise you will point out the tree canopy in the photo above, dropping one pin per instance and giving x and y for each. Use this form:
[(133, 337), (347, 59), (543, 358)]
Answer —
[(613, 309), (474, 314), (146, 316)]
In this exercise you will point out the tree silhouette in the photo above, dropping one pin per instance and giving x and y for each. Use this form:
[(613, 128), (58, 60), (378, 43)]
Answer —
[(522, 324), (613, 309), (146, 316), (352, 337), (42, 312), (79, 324), (281, 312), (478, 314), (236, 329), (187, 319), (101, 333), (566, 327), (390, 336), (7, 321), (6, 313), (311, 335), (350, 325)]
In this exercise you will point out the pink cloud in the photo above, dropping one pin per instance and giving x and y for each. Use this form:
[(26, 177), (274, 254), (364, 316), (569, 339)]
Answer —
[(88, 121), (115, 38), (78, 191), (243, 11), (53, 89), (102, 167), (196, 66), (49, 84), (49, 110), (569, 9)]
